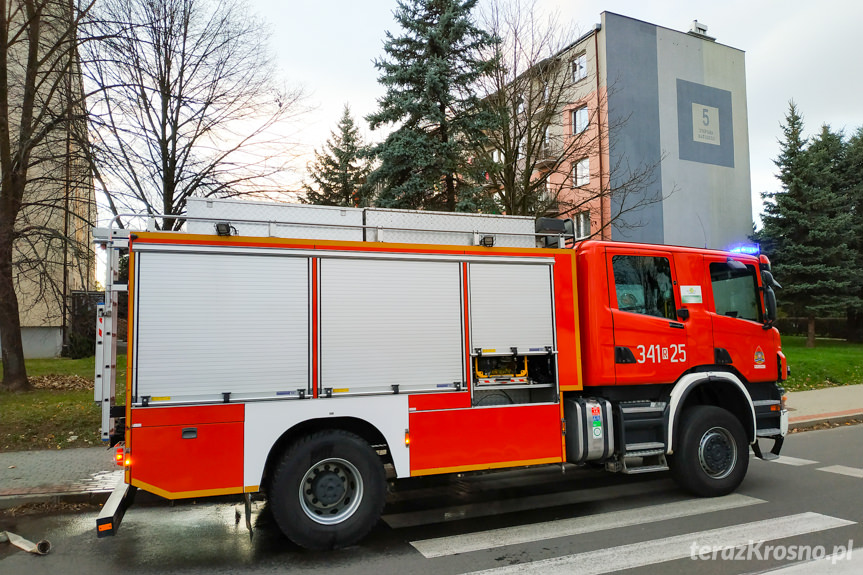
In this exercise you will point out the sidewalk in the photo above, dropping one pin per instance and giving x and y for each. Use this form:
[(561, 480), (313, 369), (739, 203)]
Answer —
[(74, 475), (89, 475)]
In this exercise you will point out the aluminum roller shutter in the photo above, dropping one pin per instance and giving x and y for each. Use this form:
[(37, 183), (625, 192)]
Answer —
[(390, 322), (511, 306), (212, 323)]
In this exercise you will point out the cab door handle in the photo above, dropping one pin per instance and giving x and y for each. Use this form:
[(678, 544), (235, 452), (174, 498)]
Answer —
[(190, 433), (676, 325)]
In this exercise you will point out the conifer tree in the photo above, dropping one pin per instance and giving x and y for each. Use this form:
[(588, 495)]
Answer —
[(854, 190), (807, 225), (429, 73), (339, 172)]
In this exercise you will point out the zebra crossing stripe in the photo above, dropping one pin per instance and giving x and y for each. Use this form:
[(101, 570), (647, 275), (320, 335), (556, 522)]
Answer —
[(671, 548), (843, 470), (586, 524), (786, 460)]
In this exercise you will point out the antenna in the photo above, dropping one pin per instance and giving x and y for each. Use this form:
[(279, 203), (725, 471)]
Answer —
[(703, 233)]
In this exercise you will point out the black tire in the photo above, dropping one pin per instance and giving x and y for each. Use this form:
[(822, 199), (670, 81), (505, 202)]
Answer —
[(343, 490), (711, 454)]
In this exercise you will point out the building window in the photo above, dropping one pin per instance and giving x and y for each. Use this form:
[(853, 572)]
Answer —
[(581, 173), (547, 138), (579, 120), (582, 225), (579, 67)]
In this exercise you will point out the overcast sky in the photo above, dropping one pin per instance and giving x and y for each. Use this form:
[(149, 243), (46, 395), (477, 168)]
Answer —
[(808, 51)]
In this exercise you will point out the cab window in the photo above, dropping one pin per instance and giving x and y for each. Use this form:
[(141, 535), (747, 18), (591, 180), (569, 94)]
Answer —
[(735, 291), (643, 285)]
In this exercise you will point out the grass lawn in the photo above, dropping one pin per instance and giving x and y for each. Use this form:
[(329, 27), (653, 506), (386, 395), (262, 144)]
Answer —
[(830, 363), (54, 419)]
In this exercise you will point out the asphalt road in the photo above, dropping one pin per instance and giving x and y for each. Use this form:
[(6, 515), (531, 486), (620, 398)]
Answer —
[(525, 521)]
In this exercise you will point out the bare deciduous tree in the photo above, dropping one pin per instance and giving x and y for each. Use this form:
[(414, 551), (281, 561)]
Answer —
[(186, 104), (41, 171), (549, 114)]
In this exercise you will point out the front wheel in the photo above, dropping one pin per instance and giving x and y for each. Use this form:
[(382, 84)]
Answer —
[(712, 453), (328, 490)]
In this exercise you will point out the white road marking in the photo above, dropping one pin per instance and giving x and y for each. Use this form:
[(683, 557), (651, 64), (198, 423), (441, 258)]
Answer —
[(586, 524), (793, 461), (499, 507), (671, 548), (843, 470)]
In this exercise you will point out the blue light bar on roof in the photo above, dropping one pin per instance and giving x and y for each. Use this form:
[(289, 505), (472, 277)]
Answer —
[(749, 249)]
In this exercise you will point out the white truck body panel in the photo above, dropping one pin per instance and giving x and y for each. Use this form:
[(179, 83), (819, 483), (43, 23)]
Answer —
[(326, 219), (266, 421), (209, 324), (449, 228), (511, 306), (359, 224), (391, 322)]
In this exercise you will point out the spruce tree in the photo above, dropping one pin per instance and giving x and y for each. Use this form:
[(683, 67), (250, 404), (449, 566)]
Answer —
[(339, 173), (807, 224), (429, 73), (854, 190)]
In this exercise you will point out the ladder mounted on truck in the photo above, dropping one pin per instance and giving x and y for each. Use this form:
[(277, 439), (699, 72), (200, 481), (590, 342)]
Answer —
[(105, 388)]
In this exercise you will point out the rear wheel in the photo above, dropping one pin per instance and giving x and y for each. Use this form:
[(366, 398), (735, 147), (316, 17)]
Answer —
[(328, 490), (712, 453)]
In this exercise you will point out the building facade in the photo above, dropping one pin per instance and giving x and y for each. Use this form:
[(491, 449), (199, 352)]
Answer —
[(52, 250), (665, 112)]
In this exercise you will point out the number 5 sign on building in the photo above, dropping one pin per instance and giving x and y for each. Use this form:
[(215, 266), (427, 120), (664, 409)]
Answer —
[(705, 124)]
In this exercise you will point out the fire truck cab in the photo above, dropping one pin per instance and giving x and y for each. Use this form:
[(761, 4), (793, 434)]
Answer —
[(300, 351)]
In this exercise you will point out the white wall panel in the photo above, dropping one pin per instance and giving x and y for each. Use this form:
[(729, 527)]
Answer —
[(510, 306), (386, 322), (214, 323)]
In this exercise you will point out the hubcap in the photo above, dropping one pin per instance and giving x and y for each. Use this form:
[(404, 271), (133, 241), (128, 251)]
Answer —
[(717, 452), (331, 491)]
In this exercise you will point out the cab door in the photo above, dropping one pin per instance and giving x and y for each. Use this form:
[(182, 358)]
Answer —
[(739, 338), (649, 338)]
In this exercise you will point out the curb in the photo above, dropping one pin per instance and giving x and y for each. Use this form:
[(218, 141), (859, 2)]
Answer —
[(810, 423), (142, 498)]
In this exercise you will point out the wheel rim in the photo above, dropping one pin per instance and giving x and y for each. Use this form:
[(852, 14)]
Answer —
[(331, 491), (717, 452)]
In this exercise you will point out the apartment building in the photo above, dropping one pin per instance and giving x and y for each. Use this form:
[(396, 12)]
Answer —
[(665, 114)]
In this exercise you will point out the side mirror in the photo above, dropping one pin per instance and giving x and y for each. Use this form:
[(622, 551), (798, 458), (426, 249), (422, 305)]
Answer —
[(770, 303), (768, 281), (683, 313)]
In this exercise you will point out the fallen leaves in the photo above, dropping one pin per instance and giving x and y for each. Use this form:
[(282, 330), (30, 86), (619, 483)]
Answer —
[(61, 382)]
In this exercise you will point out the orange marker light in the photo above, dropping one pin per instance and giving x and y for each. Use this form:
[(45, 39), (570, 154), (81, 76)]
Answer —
[(407, 438), (119, 456)]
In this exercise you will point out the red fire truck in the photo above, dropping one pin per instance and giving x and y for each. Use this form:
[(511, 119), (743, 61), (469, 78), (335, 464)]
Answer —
[(305, 352)]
